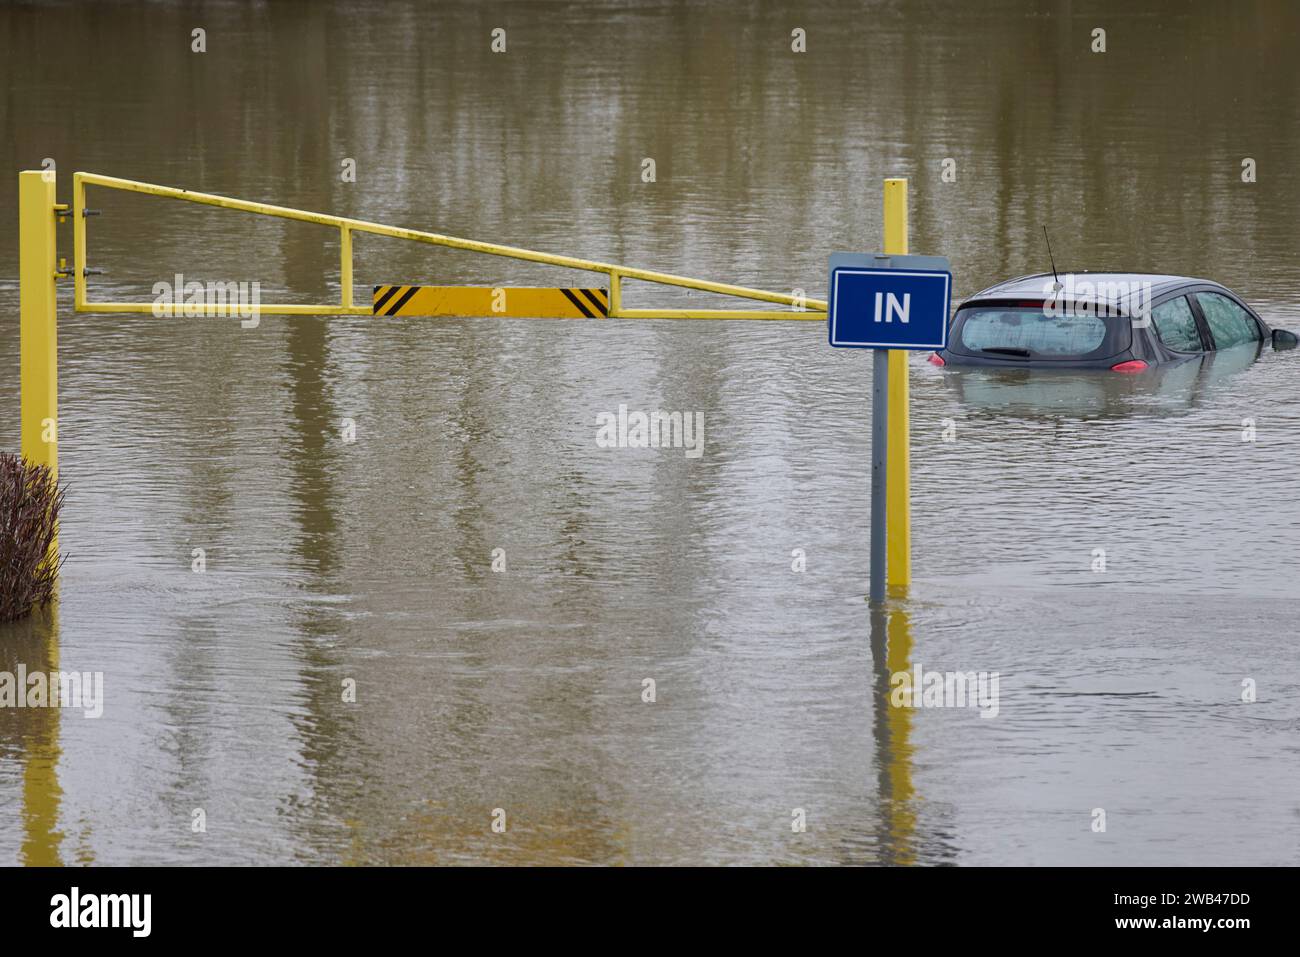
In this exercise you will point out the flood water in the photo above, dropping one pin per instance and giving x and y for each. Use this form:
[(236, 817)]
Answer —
[(371, 562)]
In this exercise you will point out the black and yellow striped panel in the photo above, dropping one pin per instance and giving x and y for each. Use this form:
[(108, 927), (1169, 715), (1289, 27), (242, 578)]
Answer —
[(519, 302)]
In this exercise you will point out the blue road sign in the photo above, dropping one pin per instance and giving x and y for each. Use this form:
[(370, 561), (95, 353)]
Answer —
[(888, 308)]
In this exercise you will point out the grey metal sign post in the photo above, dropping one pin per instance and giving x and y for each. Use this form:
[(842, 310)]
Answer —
[(879, 453)]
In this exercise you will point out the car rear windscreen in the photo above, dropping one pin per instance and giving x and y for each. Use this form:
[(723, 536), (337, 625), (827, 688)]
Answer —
[(1027, 331)]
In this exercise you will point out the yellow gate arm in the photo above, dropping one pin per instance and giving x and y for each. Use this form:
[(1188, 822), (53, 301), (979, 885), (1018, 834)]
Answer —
[(801, 308)]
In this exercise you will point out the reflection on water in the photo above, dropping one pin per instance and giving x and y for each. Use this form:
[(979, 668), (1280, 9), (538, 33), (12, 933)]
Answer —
[(330, 562), (1046, 394), (891, 652), (30, 738)]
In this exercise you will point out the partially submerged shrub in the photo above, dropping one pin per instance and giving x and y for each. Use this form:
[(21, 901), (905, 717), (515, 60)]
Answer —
[(30, 500)]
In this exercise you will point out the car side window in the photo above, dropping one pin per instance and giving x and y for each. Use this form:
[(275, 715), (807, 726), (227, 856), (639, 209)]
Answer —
[(1176, 325), (1229, 322)]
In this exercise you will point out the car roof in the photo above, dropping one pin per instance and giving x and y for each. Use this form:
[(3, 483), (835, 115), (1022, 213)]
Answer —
[(1034, 285)]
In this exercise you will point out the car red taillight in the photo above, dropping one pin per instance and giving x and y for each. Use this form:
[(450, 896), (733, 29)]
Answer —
[(1133, 365), (936, 359)]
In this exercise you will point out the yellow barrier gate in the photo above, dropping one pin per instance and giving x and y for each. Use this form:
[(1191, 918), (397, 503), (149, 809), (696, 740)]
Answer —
[(800, 308), (38, 211)]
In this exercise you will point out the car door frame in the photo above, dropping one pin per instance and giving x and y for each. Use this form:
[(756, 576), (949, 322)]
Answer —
[(1202, 329)]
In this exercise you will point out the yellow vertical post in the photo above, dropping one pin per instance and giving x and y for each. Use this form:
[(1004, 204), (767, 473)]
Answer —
[(37, 333), (615, 295), (345, 264), (898, 464), (78, 242)]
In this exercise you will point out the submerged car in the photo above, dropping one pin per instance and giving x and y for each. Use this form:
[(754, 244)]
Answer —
[(1124, 322)]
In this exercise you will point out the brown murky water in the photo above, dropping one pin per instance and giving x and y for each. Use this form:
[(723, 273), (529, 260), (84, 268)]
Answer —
[(521, 689)]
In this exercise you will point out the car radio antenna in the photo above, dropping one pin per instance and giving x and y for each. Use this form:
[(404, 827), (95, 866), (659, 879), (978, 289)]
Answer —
[(1050, 258)]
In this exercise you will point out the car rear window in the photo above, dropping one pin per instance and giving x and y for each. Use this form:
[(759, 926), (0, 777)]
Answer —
[(1027, 331)]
